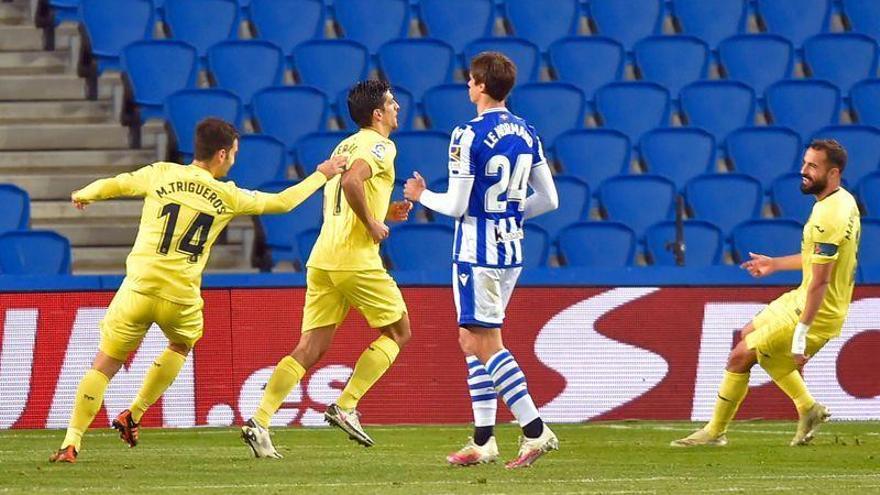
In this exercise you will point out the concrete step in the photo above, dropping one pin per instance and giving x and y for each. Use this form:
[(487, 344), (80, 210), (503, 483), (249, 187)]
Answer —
[(97, 162), (29, 37), (34, 62), (54, 87), (67, 136), (121, 235), (115, 211), (70, 111), (14, 13), (112, 259), (49, 187)]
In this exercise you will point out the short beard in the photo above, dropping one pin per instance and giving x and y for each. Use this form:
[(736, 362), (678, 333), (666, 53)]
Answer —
[(815, 188)]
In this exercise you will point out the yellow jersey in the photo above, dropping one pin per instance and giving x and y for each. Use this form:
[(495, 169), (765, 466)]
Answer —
[(344, 243), (832, 233), (185, 209)]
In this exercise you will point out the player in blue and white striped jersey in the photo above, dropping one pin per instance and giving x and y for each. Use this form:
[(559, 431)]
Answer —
[(493, 159)]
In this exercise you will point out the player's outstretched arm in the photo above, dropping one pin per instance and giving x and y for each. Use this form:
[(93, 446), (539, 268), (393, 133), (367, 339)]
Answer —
[(761, 266), (127, 184), (452, 203), (545, 198), (292, 197), (353, 188)]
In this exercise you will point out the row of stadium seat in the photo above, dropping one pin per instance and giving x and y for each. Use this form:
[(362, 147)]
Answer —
[(288, 22), (25, 251)]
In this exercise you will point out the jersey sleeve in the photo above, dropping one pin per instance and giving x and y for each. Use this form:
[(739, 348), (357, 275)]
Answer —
[(538, 157), (828, 231), (379, 156), (461, 162), (245, 201), (135, 184)]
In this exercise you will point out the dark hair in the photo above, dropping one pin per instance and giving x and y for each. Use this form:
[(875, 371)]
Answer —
[(363, 98), (213, 135), (496, 71), (835, 153)]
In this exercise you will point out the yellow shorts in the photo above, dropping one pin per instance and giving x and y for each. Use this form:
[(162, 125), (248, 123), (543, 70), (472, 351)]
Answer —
[(330, 294), (131, 313), (771, 338)]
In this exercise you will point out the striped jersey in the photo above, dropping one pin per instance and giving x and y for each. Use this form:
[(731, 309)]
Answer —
[(498, 150)]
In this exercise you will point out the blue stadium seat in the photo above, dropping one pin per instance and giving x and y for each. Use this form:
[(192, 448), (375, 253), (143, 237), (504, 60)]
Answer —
[(397, 59), (679, 154), (672, 61), (524, 54), (764, 153), (638, 201), (841, 58), (316, 147), (738, 60), (597, 244), (457, 22), (535, 246), (113, 24), (593, 155), (788, 200), (64, 11), (282, 230), (388, 19), (420, 247), (869, 194), (588, 62), (34, 252), (627, 22), (719, 107), (289, 113), (551, 107), (186, 20), (404, 116), (186, 108), (725, 200), (16, 208), (287, 23), (796, 20), (332, 66), (710, 20), (805, 106), (574, 201), (869, 255), (448, 106), (865, 98), (260, 159), (863, 16), (633, 107), (770, 237), (155, 70), (245, 67), (862, 144), (305, 240), (424, 151), (703, 243), (543, 22)]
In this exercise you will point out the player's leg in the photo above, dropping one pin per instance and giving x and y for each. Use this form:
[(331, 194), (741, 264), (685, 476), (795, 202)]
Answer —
[(375, 294), (731, 392), (122, 329)]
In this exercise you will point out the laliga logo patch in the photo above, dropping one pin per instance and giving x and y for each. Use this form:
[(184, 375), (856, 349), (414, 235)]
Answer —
[(379, 151)]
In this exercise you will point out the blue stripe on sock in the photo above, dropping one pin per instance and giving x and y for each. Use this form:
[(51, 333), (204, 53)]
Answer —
[(517, 396), (480, 385), (478, 373), (480, 398), (507, 375), (513, 385), (493, 369), (492, 364)]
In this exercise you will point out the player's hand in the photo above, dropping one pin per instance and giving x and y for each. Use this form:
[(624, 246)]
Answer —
[(759, 266), (414, 187), (398, 211), (800, 360), (78, 204), (333, 167), (378, 231)]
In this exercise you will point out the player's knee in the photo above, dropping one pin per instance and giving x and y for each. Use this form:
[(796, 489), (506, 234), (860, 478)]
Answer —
[(740, 359), (466, 342), (399, 332), (179, 348)]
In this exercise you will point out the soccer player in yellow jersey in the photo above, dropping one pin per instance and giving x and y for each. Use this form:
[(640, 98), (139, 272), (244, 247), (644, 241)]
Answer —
[(345, 270), (794, 327), (185, 209)]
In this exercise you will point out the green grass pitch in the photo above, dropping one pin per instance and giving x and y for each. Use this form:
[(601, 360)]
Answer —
[(602, 458)]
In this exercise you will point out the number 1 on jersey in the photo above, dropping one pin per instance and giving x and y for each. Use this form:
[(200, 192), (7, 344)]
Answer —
[(192, 242), (515, 184)]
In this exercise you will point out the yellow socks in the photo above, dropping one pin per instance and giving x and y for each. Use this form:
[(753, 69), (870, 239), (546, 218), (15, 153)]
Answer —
[(794, 386), (159, 377), (89, 396), (372, 364), (287, 374), (731, 392)]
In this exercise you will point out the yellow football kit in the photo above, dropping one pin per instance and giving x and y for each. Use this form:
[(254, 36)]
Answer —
[(345, 268), (185, 209), (831, 235)]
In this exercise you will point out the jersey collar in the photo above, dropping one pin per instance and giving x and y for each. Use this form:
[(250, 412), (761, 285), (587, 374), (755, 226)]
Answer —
[(200, 170), (494, 110)]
